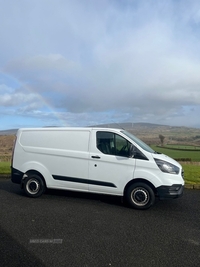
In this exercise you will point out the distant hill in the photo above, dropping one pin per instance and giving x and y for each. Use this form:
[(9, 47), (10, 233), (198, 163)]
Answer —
[(8, 132), (128, 125), (149, 132)]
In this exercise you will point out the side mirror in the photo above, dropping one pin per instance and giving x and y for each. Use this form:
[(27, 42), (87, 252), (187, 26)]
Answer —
[(132, 151)]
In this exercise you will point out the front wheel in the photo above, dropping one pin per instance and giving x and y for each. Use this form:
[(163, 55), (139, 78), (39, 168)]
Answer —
[(140, 196), (33, 185)]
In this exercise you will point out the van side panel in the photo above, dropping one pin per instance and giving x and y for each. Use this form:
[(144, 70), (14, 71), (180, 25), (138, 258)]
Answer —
[(61, 156), (59, 140)]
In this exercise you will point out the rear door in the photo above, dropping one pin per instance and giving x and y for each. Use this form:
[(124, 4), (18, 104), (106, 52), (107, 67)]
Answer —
[(110, 166)]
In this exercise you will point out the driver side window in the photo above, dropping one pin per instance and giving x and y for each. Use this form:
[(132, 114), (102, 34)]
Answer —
[(122, 146)]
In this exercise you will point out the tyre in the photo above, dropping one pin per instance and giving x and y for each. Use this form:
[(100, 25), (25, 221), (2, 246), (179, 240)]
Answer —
[(140, 196), (33, 185)]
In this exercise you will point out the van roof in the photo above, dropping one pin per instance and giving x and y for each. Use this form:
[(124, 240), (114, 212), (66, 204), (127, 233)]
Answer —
[(68, 128)]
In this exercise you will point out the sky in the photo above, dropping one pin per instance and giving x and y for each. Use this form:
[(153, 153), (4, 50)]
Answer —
[(91, 62)]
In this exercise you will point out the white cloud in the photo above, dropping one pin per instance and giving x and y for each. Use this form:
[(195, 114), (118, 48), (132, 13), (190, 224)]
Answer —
[(119, 60), (41, 68), (10, 97)]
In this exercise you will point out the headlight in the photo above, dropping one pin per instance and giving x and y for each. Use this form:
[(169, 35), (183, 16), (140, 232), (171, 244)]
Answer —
[(167, 167)]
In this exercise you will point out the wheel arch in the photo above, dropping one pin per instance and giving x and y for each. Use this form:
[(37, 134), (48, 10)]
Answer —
[(31, 172), (139, 180), (36, 168)]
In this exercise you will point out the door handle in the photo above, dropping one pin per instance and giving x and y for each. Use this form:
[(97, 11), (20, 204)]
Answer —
[(95, 157)]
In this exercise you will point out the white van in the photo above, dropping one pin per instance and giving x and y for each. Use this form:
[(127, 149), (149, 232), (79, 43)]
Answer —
[(97, 160)]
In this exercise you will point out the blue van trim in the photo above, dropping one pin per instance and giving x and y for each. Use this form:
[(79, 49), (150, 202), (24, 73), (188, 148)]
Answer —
[(82, 181)]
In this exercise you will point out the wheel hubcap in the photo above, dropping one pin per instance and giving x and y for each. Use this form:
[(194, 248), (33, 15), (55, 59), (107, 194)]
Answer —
[(140, 196), (33, 186)]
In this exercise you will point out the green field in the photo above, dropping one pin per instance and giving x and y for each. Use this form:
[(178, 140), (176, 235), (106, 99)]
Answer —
[(187, 147), (178, 154), (191, 169)]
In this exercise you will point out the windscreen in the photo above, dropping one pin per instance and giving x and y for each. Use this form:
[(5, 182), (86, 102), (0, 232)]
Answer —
[(138, 142)]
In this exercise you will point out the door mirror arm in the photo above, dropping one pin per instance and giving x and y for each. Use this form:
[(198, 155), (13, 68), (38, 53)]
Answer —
[(132, 151)]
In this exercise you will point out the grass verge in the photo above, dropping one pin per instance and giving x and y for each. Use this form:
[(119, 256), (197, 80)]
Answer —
[(4, 167), (191, 173)]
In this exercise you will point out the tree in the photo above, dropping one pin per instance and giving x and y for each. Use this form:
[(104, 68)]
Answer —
[(162, 137)]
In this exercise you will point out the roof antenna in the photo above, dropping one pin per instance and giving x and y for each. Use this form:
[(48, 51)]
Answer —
[(119, 126)]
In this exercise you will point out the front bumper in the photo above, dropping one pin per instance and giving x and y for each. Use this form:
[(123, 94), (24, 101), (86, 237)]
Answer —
[(169, 192)]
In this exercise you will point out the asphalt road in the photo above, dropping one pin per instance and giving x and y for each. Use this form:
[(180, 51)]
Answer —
[(72, 229)]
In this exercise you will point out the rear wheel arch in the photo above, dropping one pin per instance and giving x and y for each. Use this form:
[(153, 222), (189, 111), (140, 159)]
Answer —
[(33, 183), (32, 172)]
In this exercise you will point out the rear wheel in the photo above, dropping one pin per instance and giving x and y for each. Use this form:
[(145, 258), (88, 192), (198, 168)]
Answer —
[(140, 196), (33, 185)]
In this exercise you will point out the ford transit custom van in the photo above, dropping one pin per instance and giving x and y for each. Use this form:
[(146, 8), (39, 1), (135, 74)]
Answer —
[(97, 160)]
